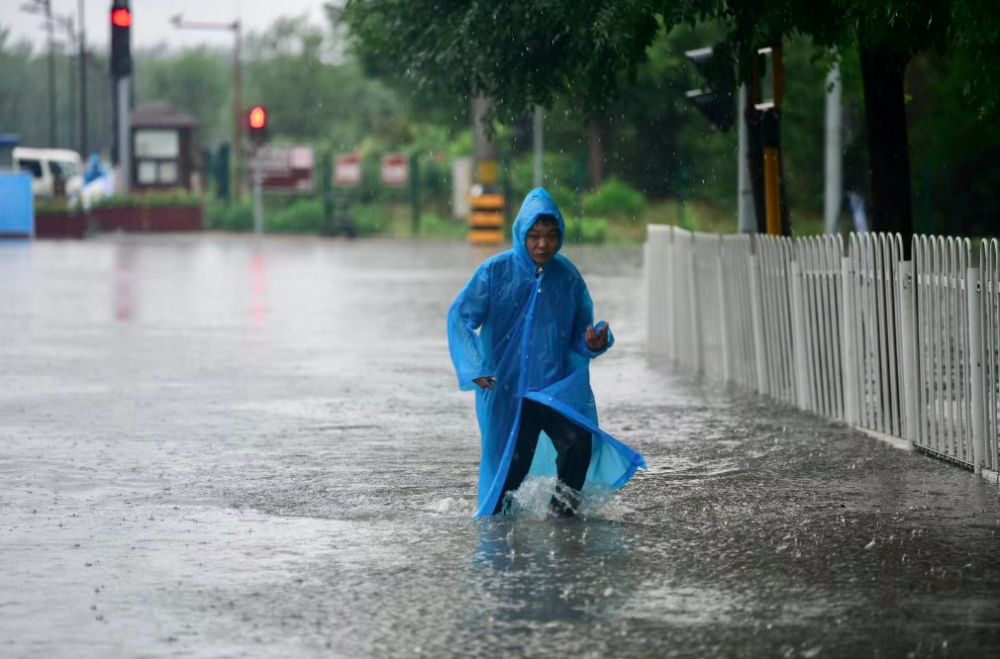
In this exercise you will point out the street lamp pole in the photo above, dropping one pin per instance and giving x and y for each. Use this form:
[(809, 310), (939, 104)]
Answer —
[(44, 7), (67, 23), (236, 28), (238, 108), (84, 144)]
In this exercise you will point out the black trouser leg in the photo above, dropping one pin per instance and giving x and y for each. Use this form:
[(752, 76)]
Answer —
[(573, 449), (524, 450)]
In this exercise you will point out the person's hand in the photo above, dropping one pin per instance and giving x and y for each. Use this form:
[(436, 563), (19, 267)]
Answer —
[(597, 341), (485, 382)]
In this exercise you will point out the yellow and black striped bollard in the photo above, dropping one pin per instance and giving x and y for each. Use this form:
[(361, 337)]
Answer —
[(486, 219)]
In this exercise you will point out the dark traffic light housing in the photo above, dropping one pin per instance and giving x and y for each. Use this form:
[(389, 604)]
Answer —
[(717, 101), (257, 125), (121, 51)]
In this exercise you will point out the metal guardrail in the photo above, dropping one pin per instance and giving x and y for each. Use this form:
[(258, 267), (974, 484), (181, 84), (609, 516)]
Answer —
[(906, 349)]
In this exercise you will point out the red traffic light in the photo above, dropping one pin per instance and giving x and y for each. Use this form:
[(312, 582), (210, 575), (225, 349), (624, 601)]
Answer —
[(121, 18), (258, 117)]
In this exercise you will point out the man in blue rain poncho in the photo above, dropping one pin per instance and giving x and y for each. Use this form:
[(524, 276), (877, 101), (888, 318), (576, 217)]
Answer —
[(530, 366)]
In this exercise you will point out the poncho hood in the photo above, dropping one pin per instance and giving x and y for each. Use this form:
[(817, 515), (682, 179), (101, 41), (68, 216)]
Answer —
[(538, 202)]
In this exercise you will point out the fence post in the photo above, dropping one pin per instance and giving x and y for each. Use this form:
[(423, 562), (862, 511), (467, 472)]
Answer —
[(699, 360), (974, 293), (908, 339), (799, 340), (848, 363), (671, 282), (652, 267), (727, 368), (757, 315)]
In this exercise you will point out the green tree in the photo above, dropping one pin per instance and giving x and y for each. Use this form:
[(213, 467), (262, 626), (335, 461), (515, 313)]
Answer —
[(520, 53), (311, 98), (196, 81), (24, 100)]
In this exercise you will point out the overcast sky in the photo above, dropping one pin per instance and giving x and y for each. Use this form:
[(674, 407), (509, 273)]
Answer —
[(151, 19)]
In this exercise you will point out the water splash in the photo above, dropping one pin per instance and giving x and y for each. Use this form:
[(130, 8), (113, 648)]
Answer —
[(454, 506), (533, 500)]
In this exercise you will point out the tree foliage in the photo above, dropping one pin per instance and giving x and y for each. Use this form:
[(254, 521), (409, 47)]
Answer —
[(519, 53), (198, 81)]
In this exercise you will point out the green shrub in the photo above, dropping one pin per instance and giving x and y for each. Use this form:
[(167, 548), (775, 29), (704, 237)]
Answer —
[(54, 207), (369, 219), (173, 198), (617, 200), (560, 178), (564, 198), (432, 224), (299, 216), (587, 230), (220, 216)]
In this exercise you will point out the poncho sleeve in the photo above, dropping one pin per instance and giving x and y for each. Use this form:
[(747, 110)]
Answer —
[(467, 314), (584, 318)]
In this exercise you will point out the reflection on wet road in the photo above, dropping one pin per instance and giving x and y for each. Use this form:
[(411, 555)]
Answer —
[(212, 451)]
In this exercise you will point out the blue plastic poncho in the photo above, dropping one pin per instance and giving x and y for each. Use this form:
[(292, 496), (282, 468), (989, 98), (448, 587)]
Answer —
[(94, 170), (531, 338)]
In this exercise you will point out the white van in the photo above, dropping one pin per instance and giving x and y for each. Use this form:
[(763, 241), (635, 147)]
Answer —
[(46, 165)]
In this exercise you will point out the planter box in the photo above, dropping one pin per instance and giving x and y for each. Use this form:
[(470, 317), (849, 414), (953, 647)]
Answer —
[(148, 219), (60, 225)]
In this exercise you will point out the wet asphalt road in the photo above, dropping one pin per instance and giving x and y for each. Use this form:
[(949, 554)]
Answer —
[(210, 451)]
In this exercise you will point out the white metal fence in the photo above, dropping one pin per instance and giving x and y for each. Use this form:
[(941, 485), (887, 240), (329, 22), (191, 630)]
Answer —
[(990, 352), (908, 349)]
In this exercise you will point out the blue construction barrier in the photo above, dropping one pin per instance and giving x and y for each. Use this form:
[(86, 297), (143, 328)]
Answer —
[(17, 208)]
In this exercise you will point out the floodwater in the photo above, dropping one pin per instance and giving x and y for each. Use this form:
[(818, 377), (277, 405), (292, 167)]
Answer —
[(210, 450)]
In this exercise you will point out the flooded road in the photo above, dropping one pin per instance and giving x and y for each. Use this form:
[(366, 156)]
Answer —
[(212, 451)]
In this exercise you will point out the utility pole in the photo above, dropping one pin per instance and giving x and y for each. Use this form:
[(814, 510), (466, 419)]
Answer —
[(486, 220), (238, 107), (67, 24), (538, 137), (238, 118), (771, 133), (53, 134), (834, 151), (747, 213), (84, 144), (44, 8)]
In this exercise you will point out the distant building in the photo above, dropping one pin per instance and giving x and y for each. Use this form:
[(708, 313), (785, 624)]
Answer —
[(162, 148)]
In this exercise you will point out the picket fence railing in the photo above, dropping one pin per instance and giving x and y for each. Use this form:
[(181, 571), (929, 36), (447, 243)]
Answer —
[(905, 349)]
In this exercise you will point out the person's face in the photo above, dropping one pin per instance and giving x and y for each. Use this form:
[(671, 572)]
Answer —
[(542, 242)]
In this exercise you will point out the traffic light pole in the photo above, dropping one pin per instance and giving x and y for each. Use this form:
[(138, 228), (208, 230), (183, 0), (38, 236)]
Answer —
[(258, 203), (124, 130)]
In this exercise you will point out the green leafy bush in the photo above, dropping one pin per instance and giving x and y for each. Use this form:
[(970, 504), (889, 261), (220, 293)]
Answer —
[(299, 216), (220, 216), (369, 219), (560, 178), (617, 200), (167, 198), (587, 230), (54, 207), (564, 198), (433, 224)]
